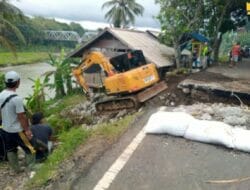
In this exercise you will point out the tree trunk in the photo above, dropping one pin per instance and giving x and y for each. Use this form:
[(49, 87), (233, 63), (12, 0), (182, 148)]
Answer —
[(217, 41), (177, 55), (69, 84), (60, 91), (217, 44)]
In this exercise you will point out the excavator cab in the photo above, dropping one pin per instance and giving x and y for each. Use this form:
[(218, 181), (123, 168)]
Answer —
[(128, 61)]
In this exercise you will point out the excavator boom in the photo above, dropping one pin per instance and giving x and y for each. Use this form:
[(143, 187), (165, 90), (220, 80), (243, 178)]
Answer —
[(88, 61)]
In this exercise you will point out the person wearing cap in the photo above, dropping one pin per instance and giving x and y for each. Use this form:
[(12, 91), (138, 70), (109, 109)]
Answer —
[(41, 136), (15, 123)]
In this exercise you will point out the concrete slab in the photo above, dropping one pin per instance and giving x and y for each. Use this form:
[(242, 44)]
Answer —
[(240, 87), (221, 80)]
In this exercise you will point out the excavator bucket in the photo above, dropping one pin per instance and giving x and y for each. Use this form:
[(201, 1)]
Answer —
[(151, 91)]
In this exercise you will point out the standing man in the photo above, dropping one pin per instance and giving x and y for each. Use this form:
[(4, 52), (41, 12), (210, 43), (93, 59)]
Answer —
[(15, 123), (236, 49), (204, 55)]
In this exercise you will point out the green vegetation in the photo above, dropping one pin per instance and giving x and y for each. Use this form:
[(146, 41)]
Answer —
[(212, 18), (178, 17), (224, 59), (56, 106), (36, 101), (33, 30), (112, 131), (244, 38), (2, 85), (8, 16), (22, 58), (19, 32), (229, 39), (122, 12), (69, 134), (69, 141), (62, 74)]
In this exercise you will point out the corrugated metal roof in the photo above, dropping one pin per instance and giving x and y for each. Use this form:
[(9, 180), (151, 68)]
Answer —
[(154, 33), (153, 50)]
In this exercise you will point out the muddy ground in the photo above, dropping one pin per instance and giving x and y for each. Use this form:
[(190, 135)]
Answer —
[(82, 159)]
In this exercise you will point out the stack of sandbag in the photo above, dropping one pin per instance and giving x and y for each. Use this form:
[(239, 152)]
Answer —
[(241, 139), (184, 125), (213, 132), (173, 123)]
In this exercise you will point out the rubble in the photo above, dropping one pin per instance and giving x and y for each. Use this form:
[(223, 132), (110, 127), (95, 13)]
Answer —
[(85, 114), (230, 114)]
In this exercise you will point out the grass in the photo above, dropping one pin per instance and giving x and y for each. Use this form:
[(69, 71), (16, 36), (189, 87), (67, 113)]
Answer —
[(7, 58), (112, 131), (53, 108), (70, 137), (70, 140), (56, 106)]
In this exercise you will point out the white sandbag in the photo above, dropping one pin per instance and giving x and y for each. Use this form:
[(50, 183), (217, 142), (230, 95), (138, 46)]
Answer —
[(241, 139), (213, 132), (173, 123)]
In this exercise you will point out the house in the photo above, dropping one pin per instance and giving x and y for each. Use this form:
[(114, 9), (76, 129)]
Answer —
[(114, 41)]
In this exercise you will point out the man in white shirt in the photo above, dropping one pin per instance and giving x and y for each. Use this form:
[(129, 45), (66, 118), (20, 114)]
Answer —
[(15, 123)]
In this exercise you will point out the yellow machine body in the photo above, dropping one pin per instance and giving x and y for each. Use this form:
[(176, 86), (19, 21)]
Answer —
[(132, 81)]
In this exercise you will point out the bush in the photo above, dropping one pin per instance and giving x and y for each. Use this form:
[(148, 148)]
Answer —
[(224, 59), (59, 124)]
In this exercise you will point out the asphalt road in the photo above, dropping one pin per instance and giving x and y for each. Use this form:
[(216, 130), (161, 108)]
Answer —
[(165, 162)]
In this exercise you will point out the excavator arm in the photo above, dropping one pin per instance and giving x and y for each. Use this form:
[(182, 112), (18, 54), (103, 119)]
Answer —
[(89, 60)]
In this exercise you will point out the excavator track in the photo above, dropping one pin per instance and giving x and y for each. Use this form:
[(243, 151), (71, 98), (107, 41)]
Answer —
[(117, 104), (130, 102)]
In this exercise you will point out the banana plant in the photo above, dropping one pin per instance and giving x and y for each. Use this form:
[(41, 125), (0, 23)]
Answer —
[(62, 75), (35, 102)]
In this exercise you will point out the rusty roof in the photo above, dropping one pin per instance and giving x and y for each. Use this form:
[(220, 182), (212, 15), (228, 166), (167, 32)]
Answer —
[(153, 50)]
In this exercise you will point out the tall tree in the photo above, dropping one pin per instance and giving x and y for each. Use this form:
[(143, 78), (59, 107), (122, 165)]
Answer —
[(178, 17), (213, 17), (122, 12), (8, 14), (223, 16)]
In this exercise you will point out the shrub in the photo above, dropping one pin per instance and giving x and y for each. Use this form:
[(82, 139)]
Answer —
[(59, 124)]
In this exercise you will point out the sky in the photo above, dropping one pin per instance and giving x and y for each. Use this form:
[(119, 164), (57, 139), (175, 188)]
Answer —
[(88, 13)]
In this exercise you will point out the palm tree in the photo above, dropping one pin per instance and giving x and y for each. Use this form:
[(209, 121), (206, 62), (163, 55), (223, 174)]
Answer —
[(8, 14), (122, 12)]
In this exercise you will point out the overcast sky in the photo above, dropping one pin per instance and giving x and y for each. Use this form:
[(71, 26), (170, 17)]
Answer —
[(86, 12)]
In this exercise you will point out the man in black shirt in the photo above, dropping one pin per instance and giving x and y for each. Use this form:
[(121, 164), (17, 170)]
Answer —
[(41, 136)]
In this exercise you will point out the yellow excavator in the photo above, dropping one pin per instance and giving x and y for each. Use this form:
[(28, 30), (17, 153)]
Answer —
[(127, 79)]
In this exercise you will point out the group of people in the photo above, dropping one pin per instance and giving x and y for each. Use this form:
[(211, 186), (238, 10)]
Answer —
[(201, 56), (16, 128)]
